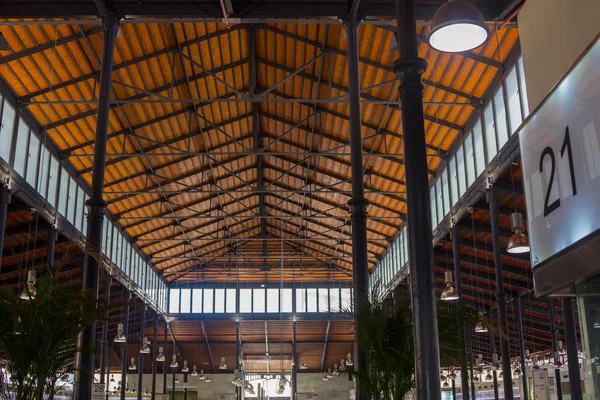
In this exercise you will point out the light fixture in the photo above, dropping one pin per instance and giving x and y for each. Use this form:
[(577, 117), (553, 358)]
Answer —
[(449, 293), (457, 26), (132, 366), (452, 373), (445, 385), (336, 370), (120, 338), (480, 328), (561, 349), (303, 364), (489, 376), (495, 361), (349, 362), (176, 379), (201, 376), (194, 371), (29, 291), (325, 378), (207, 380), (223, 364), (329, 373), (112, 379), (174, 363), (185, 369), (161, 356), (535, 363), (145, 348), (342, 365), (518, 242), (527, 356), (517, 371)]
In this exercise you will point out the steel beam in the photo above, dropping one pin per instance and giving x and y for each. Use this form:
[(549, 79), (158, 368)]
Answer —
[(324, 354), (500, 295), (458, 281), (409, 69), (212, 361), (84, 376)]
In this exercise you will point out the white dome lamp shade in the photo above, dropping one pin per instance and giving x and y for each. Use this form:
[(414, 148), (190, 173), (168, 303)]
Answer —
[(457, 26)]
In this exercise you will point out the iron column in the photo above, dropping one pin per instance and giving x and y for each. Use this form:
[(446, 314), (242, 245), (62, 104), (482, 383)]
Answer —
[(464, 376), (51, 242), (409, 69), (166, 358), (521, 347), (4, 198), (500, 296), (294, 362), (141, 359), (557, 358), (154, 354), (494, 372), (105, 352), (124, 355), (358, 203), (85, 354), (572, 350)]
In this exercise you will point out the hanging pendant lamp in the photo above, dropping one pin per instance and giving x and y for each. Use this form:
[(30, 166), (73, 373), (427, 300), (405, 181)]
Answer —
[(120, 338), (145, 348), (518, 242), (132, 366), (29, 291), (457, 26), (449, 293), (161, 356), (174, 363), (480, 328)]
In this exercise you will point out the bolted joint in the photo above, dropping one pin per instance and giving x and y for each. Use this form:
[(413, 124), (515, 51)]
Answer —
[(96, 209), (358, 207), (409, 70)]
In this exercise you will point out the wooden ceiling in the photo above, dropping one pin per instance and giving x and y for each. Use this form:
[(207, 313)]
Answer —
[(229, 148)]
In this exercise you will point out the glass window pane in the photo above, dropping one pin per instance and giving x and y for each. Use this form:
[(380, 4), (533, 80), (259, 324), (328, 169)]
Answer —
[(323, 300), (300, 300), (469, 160), (84, 215), (446, 189), (174, 301), (71, 201), (63, 193), (80, 210), (286, 300), (32, 159), (479, 149), (186, 300), (460, 172), (208, 300), (334, 299), (434, 218), (272, 300), (220, 300), (513, 100), (44, 169), (453, 180), (490, 132), (231, 300), (523, 85), (197, 300), (21, 149), (311, 300), (501, 126), (6, 131), (245, 300), (439, 201), (52, 181), (346, 299), (258, 298)]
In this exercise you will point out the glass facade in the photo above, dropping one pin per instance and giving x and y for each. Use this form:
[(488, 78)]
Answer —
[(490, 132), (260, 300), (33, 161)]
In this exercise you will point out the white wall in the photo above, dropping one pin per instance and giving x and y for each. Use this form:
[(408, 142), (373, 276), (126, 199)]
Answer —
[(553, 34)]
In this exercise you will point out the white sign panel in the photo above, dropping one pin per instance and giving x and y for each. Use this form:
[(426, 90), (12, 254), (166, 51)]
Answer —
[(98, 391), (560, 150), (540, 384)]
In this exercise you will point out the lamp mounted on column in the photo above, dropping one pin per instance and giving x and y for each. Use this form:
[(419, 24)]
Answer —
[(457, 26), (518, 242), (449, 293), (145, 348), (29, 291), (132, 366), (174, 363), (480, 327), (185, 368), (161, 356)]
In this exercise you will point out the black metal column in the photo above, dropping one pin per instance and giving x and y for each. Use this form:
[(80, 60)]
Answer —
[(500, 295), (572, 349), (4, 198), (525, 391), (464, 376), (409, 69), (154, 354), (51, 242), (174, 376), (105, 349), (294, 363), (470, 345), (494, 372), (141, 358), (238, 353), (86, 340), (124, 355), (358, 203), (165, 365), (557, 357)]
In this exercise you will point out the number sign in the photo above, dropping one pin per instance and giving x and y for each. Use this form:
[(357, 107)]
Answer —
[(560, 150), (98, 391)]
